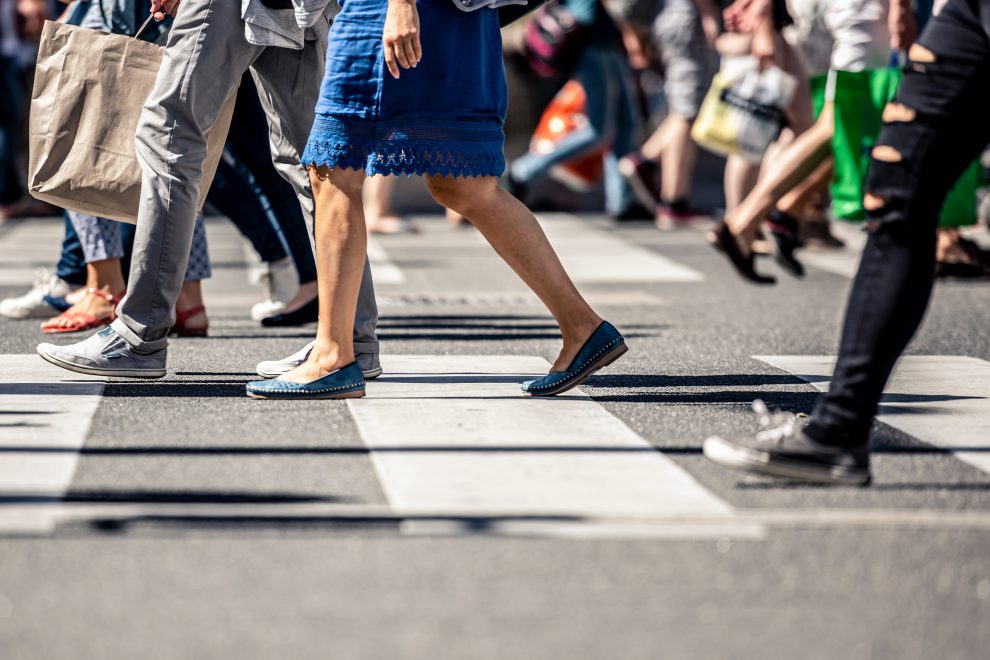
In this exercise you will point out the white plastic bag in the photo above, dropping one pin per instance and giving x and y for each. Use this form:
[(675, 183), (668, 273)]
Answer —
[(743, 111)]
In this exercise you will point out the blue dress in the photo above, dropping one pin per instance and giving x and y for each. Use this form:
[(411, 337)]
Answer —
[(443, 117)]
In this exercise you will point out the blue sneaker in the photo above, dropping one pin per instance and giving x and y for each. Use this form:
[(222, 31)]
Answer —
[(344, 383), (604, 346)]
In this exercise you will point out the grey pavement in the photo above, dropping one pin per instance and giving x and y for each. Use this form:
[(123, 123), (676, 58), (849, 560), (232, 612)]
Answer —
[(188, 521)]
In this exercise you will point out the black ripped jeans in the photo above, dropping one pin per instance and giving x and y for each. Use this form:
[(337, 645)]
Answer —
[(939, 123)]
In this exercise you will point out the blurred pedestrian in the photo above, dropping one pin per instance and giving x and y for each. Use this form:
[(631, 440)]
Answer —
[(613, 118), (858, 35), (661, 171)]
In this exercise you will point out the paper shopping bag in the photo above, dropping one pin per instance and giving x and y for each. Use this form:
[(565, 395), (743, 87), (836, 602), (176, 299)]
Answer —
[(89, 89)]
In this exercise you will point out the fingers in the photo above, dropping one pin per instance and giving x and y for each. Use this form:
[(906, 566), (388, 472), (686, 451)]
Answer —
[(417, 49), (405, 52), (390, 63), (409, 50), (171, 6), (400, 55)]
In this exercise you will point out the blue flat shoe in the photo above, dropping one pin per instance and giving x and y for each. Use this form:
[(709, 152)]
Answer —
[(604, 346), (344, 383)]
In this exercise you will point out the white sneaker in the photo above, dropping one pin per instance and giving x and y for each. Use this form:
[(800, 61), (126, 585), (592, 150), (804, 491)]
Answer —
[(281, 283), (32, 305), (369, 363)]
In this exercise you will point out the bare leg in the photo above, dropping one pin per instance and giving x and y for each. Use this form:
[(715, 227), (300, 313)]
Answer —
[(671, 144), (105, 276), (797, 200), (517, 237), (190, 296), (796, 163), (740, 178), (341, 246)]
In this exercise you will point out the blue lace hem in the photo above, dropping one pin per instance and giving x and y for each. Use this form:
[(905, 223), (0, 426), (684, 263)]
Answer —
[(459, 149)]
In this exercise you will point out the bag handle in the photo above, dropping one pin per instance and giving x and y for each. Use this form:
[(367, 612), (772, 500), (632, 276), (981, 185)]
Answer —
[(143, 26)]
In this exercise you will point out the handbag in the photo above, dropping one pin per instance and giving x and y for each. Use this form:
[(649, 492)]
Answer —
[(554, 41), (743, 110), (89, 90)]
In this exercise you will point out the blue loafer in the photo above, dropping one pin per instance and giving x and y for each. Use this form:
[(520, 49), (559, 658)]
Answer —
[(604, 346), (344, 383)]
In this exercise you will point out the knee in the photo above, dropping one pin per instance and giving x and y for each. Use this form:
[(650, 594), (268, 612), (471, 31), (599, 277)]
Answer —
[(336, 181), (462, 195)]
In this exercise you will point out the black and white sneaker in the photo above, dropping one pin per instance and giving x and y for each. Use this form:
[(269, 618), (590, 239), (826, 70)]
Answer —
[(782, 449)]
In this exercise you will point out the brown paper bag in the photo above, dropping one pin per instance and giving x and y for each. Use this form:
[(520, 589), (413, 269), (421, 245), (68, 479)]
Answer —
[(89, 89)]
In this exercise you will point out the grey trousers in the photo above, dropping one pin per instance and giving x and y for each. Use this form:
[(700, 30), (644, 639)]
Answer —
[(204, 58)]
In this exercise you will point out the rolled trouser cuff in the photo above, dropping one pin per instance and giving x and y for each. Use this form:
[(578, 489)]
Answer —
[(135, 341)]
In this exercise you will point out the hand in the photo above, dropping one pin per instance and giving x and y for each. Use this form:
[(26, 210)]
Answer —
[(638, 59), (31, 17), (401, 36), (163, 8), (903, 28), (745, 15)]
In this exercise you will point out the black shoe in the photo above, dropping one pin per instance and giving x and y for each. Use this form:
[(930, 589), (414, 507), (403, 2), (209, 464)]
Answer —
[(308, 313), (725, 241), (783, 449), (644, 179), (633, 212), (782, 232)]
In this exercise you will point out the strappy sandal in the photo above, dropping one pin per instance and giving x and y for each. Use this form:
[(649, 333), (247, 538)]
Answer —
[(180, 329), (68, 322)]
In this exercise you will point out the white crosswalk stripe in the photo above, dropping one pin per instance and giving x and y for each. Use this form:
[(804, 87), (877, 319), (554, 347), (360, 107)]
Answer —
[(28, 246), (593, 255), (40, 405), (942, 400), (452, 434)]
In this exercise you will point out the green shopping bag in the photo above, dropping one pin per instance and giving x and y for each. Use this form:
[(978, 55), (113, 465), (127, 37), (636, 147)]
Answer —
[(860, 98)]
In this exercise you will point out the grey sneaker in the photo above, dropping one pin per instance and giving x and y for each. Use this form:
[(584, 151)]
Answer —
[(105, 354), (369, 363), (782, 449)]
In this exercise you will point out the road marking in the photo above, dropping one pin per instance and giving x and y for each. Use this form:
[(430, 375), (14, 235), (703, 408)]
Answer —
[(27, 246), (40, 406), (383, 269), (453, 433), (521, 299), (740, 524), (942, 400), (592, 255)]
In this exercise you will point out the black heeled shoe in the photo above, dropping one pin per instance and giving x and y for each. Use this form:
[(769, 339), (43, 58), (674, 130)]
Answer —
[(308, 313), (725, 242)]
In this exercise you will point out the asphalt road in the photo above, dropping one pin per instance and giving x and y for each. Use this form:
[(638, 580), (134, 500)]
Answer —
[(179, 519)]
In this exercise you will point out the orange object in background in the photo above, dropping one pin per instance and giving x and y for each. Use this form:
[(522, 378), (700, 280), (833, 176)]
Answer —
[(565, 114)]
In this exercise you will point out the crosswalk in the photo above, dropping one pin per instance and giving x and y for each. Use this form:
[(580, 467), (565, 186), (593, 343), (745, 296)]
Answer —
[(457, 450), (943, 400), (454, 447)]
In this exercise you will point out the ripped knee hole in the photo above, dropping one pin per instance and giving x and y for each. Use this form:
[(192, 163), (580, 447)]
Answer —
[(886, 154), (898, 112)]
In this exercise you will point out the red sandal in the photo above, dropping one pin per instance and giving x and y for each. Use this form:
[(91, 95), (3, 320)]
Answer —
[(82, 322), (180, 329)]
